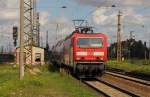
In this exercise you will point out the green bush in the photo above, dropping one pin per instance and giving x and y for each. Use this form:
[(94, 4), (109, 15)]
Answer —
[(132, 66)]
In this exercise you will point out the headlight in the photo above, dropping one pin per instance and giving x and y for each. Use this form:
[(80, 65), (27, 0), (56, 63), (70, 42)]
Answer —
[(81, 53), (98, 53)]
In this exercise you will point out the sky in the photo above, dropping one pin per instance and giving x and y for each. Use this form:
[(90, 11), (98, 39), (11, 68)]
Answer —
[(99, 13)]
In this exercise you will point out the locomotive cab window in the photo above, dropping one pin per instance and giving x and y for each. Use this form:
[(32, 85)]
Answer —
[(90, 42)]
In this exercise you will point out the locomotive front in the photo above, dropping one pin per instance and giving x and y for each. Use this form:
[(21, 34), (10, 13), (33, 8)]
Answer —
[(90, 54)]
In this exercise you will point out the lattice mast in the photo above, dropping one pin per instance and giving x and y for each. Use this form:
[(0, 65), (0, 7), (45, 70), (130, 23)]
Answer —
[(36, 25), (28, 30)]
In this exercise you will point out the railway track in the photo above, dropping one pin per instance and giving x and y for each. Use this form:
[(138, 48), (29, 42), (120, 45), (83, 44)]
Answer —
[(109, 90), (134, 87), (116, 85), (130, 74), (136, 80)]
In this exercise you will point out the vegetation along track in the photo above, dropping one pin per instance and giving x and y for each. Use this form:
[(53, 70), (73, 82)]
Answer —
[(140, 75), (132, 86)]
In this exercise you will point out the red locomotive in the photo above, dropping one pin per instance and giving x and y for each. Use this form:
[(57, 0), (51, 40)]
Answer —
[(84, 53)]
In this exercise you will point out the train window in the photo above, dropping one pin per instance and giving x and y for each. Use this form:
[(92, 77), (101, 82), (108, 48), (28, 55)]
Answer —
[(90, 42)]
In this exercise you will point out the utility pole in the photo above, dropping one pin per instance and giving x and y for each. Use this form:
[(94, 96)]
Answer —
[(21, 61), (42, 42), (130, 43), (145, 55), (149, 47), (57, 30), (47, 46), (38, 28), (131, 35), (119, 49)]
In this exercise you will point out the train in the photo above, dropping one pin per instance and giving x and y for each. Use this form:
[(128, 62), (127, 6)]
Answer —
[(85, 54), (7, 58)]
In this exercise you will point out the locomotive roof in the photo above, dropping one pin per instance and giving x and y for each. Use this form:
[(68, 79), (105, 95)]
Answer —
[(79, 33)]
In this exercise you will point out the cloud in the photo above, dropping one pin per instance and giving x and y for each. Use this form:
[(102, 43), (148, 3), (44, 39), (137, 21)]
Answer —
[(106, 21), (100, 17), (114, 2), (107, 16), (58, 28), (96, 2), (9, 16), (7, 12), (44, 18), (134, 2), (3, 3)]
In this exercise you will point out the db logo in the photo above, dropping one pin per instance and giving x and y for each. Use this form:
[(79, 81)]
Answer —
[(90, 53)]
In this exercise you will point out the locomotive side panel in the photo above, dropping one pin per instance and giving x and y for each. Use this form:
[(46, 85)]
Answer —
[(105, 47), (68, 52)]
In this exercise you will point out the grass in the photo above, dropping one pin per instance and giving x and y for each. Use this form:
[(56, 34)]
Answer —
[(138, 66), (47, 84)]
